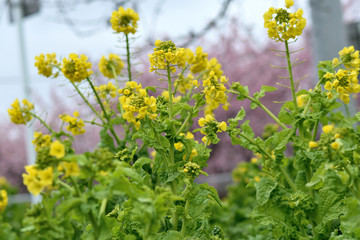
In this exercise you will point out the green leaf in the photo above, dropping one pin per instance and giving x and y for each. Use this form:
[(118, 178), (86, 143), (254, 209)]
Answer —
[(150, 88), (286, 117), (350, 222), (247, 129), (330, 208), (264, 189), (279, 140), (318, 179), (265, 88), (169, 235), (357, 115)]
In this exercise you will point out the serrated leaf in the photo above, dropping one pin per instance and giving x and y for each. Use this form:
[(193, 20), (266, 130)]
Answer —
[(264, 189), (286, 117), (318, 179)]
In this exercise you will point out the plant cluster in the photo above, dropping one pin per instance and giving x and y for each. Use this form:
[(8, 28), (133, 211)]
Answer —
[(139, 181)]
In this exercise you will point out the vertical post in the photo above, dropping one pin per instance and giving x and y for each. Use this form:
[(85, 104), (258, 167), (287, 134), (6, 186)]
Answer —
[(329, 34), (30, 152)]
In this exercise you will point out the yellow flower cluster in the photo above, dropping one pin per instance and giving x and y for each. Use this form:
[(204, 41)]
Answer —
[(167, 54), (350, 58), (75, 125), (45, 64), (41, 140), (214, 90), (186, 83), (124, 20), (20, 114), (57, 149), (210, 128), (344, 82), (37, 179), (192, 169), (3, 200), (215, 66), (136, 103), (313, 144), (179, 145), (283, 25), (69, 168), (111, 67), (107, 89), (76, 68), (199, 62)]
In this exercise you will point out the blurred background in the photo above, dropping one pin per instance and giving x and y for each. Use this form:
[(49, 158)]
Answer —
[(230, 30)]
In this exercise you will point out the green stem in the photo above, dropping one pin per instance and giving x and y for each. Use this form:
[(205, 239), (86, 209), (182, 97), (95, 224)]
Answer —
[(102, 207), (189, 116), (267, 111), (283, 171), (42, 122), (66, 186), (94, 224), (104, 111), (116, 79), (347, 111), (263, 107), (290, 74), (169, 89), (315, 129), (77, 190), (87, 102), (183, 228), (128, 56), (94, 123)]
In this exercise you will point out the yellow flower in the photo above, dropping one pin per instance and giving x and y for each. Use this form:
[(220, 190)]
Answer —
[(46, 176), (105, 90), (313, 144), (167, 54), (222, 126), (76, 69), (302, 99), (36, 180), (336, 136), (328, 128), (335, 145), (137, 104), (57, 149), (3, 200), (76, 126), (283, 25), (45, 65), (20, 114), (70, 169), (124, 20), (111, 67), (257, 179), (41, 140), (198, 62), (215, 92), (254, 160)]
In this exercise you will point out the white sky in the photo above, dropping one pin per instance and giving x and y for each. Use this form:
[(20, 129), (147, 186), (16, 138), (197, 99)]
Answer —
[(46, 32)]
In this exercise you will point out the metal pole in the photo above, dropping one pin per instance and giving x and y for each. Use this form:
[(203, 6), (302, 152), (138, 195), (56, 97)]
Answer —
[(30, 152)]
